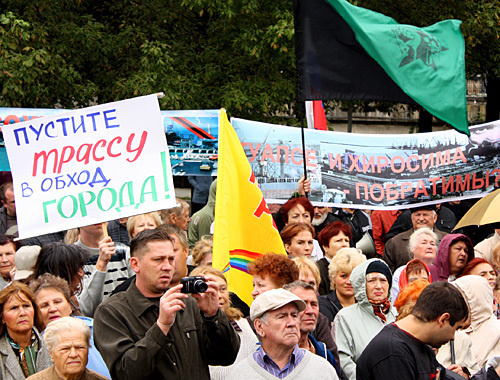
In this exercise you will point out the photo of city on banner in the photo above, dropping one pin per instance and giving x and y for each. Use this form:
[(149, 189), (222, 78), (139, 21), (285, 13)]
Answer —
[(346, 169)]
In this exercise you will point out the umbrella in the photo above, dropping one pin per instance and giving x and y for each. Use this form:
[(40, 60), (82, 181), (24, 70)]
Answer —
[(486, 211)]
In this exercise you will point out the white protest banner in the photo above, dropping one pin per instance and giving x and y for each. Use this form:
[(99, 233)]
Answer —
[(369, 171), (89, 165)]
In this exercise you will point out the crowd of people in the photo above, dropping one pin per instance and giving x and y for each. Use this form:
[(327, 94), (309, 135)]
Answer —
[(138, 298)]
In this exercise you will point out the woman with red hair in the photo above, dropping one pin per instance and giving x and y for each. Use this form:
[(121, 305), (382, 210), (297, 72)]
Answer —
[(408, 296), (332, 238), (482, 267), (414, 270), (298, 239), (271, 271), (300, 210), (297, 210)]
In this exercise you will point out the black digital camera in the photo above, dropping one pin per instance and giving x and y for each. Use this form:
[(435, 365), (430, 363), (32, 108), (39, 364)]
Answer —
[(193, 284)]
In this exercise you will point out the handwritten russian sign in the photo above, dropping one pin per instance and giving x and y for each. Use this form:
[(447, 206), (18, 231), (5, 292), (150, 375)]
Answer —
[(89, 165)]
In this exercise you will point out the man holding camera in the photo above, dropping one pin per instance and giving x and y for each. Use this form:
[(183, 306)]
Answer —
[(152, 331)]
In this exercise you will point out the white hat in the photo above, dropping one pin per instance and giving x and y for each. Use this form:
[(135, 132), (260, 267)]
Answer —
[(272, 300), (25, 260)]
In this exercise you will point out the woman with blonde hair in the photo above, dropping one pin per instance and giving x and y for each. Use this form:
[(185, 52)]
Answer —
[(202, 251), (248, 340), (138, 223), (342, 292), (332, 238), (308, 271)]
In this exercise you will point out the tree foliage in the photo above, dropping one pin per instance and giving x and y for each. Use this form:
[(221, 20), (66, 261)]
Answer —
[(201, 54)]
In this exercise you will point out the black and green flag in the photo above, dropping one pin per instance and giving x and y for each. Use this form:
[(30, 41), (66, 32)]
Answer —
[(350, 53)]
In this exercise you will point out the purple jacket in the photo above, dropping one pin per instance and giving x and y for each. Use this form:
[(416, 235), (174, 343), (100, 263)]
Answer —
[(440, 270)]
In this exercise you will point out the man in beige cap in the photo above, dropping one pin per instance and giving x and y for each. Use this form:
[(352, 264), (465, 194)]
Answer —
[(25, 261), (275, 315)]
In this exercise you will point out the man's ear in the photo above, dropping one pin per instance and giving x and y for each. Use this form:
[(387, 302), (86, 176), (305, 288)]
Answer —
[(172, 218), (258, 327), (443, 318), (134, 264)]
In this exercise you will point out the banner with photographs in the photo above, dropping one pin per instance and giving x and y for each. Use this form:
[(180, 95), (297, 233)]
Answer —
[(373, 171)]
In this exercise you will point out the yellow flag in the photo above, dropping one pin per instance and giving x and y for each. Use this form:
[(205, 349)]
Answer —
[(244, 227)]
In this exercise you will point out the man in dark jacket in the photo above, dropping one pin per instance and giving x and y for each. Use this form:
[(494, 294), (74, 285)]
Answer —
[(396, 252), (308, 321), (152, 331), (402, 350), (8, 221)]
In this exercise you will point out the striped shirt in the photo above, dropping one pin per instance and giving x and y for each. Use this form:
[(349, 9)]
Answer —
[(270, 366)]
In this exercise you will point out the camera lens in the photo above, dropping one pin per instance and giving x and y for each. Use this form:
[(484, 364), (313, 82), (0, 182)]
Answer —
[(200, 286)]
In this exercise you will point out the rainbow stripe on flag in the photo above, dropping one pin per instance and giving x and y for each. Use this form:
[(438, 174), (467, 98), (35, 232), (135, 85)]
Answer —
[(239, 259)]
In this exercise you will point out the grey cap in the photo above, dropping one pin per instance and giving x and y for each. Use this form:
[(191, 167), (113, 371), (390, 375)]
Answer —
[(25, 260), (272, 300)]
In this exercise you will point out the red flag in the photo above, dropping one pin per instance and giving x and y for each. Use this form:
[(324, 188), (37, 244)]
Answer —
[(315, 115)]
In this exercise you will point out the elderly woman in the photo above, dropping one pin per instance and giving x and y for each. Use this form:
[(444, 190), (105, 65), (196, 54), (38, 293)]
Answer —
[(22, 350), (248, 340), (454, 253), (333, 237), (202, 251), (67, 261), (271, 271), (342, 294), (68, 342), (308, 271), (413, 271), (52, 296), (142, 222), (8, 248), (356, 325), (481, 267), (422, 246), (298, 239)]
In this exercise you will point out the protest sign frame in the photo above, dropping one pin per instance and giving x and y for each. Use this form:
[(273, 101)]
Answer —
[(89, 165)]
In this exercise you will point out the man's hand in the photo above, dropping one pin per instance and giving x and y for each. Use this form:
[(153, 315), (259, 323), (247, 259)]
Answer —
[(170, 303), (106, 250), (208, 302), (457, 369), (304, 185)]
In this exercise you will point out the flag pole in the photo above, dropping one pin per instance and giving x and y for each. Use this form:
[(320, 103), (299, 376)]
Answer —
[(302, 107)]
